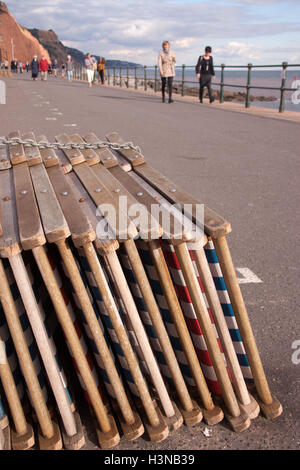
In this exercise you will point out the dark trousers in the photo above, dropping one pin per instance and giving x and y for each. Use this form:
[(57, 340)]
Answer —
[(101, 76), (205, 81), (164, 81)]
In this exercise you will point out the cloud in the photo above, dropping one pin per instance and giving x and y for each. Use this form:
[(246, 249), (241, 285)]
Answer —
[(137, 28)]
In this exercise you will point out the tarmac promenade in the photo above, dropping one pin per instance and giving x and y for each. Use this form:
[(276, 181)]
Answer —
[(245, 164)]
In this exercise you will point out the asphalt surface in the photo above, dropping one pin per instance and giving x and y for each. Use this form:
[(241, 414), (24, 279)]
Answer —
[(247, 168)]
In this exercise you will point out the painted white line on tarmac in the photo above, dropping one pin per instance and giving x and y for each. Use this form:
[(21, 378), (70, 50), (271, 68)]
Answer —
[(248, 276), (51, 119), (70, 125)]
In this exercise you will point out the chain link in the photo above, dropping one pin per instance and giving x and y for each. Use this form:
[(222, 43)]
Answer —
[(56, 145)]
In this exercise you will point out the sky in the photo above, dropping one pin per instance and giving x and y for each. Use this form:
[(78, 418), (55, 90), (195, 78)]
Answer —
[(239, 31)]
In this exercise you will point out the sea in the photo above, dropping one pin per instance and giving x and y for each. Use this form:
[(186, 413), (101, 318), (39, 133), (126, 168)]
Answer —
[(265, 78)]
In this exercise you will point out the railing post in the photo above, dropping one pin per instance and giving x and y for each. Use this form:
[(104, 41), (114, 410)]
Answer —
[(120, 76), (222, 83), (145, 77), (155, 78), (108, 75), (135, 77), (114, 71), (127, 84), (282, 88), (182, 80), (248, 86)]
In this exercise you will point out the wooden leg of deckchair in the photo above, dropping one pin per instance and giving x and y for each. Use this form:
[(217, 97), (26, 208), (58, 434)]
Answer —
[(22, 434), (211, 413), (186, 403), (246, 402), (269, 405), (238, 421)]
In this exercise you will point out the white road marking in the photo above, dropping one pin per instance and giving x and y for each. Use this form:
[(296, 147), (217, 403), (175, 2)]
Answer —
[(70, 125), (51, 119), (248, 276)]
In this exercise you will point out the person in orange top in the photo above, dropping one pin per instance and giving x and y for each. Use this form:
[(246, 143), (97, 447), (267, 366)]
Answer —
[(43, 67)]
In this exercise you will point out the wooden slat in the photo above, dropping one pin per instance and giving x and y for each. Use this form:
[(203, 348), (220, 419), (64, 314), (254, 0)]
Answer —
[(33, 155), (174, 225), (54, 222), (93, 184), (90, 210), (48, 155), (107, 158), (79, 225), (74, 155), (4, 158), (133, 157), (143, 197), (9, 241), (113, 185), (16, 152), (91, 157), (215, 225), (29, 222)]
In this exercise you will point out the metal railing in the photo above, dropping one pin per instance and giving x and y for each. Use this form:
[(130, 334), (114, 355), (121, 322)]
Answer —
[(149, 77)]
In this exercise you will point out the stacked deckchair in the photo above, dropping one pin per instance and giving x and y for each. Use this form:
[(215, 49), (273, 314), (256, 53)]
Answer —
[(145, 319)]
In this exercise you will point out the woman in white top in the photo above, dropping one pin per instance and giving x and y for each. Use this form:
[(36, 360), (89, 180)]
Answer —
[(90, 65), (166, 64)]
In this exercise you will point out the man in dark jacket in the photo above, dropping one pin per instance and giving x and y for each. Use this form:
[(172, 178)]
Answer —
[(205, 71), (35, 68)]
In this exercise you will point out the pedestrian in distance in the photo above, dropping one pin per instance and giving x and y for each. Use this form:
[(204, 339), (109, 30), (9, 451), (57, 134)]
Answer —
[(44, 67), (63, 68), (14, 66), (21, 66), (27, 66), (166, 64), (55, 68), (69, 68), (205, 71), (91, 66), (34, 68), (101, 70)]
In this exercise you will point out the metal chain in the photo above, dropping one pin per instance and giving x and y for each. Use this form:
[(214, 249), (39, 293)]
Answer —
[(56, 145)]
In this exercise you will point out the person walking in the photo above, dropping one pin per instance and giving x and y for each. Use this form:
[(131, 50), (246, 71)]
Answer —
[(21, 66), (35, 68), (205, 71), (43, 67), (101, 69), (166, 64), (69, 67), (55, 67), (27, 66), (14, 66), (90, 65)]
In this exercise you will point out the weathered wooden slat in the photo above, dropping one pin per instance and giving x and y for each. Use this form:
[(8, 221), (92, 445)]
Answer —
[(118, 221), (16, 152), (133, 204), (90, 210), (10, 244), (4, 158), (79, 225), (33, 155), (215, 225), (29, 222), (54, 222), (143, 197), (107, 158), (90, 155), (48, 154), (134, 158), (75, 156)]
